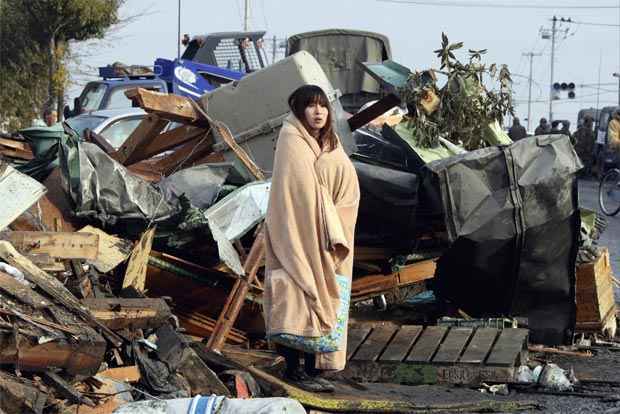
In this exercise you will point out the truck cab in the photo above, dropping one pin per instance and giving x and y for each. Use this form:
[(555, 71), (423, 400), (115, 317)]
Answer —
[(208, 62), (109, 92)]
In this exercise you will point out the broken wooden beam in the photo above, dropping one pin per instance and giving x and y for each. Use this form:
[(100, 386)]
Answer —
[(146, 131), (134, 313), (367, 286), (81, 356), (237, 296), (21, 292), (184, 156), (165, 141), (167, 106), (61, 245), (53, 287), (17, 396)]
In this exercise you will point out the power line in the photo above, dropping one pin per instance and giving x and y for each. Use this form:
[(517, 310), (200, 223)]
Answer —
[(596, 24), (494, 5)]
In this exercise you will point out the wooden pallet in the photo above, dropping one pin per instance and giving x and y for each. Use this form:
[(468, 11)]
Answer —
[(596, 305), (412, 354)]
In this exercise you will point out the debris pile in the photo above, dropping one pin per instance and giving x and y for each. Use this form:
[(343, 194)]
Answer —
[(136, 274)]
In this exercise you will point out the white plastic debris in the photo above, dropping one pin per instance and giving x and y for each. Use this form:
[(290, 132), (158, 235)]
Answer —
[(525, 375), (16, 273), (554, 378), (496, 389)]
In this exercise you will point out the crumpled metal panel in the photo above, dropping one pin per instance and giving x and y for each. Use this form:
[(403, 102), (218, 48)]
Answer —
[(105, 190), (512, 217), (19, 193), (233, 216)]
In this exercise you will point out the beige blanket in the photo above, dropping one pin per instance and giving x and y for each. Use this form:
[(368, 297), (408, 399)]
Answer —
[(310, 225)]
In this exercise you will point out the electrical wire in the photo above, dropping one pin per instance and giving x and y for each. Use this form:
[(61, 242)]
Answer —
[(494, 5), (594, 24)]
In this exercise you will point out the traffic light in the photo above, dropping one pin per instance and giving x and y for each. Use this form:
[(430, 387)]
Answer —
[(563, 87)]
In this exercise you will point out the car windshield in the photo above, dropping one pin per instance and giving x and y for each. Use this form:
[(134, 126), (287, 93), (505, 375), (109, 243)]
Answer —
[(80, 123), (92, 96), (119, 131)]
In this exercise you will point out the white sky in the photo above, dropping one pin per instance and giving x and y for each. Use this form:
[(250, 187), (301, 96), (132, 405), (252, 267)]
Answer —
[(414, 32)]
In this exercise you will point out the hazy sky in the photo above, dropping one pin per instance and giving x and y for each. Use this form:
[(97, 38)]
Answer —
[(414, 32)]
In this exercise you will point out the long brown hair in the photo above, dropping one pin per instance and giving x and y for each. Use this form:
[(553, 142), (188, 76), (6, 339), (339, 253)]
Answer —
[(302, 98)]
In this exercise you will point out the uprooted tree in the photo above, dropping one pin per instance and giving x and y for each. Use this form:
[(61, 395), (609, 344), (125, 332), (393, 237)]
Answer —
[(34, 49)]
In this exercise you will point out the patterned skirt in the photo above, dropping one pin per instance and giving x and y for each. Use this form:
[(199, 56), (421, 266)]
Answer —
[(330, 342)]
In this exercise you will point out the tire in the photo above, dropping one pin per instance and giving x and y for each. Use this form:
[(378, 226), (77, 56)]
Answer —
[(609, 192)]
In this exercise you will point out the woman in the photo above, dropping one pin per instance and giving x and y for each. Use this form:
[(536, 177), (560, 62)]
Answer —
[(310, 224)]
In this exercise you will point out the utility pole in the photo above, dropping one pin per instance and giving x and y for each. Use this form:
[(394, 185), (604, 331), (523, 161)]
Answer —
[(617, 75), (553, 29), (179, 31), (529, 95), (246, 16)]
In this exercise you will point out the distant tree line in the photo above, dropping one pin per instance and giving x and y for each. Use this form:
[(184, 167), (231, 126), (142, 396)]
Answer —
[(35, 38)]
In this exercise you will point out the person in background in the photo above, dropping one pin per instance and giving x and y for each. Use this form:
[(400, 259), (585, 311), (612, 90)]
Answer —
[(565, 128), (613, 131), (542, 128), (50, 117), (517, 131), (584, 142), (555, 128)]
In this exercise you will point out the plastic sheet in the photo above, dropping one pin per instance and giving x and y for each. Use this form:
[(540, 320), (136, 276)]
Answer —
[(104, 190), (512, 216)]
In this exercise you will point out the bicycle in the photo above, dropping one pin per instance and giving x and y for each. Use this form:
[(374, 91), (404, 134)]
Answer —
[(609, 192)]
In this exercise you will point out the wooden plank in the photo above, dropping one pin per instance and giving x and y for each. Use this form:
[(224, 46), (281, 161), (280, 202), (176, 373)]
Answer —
[(185, 156), (507, 349), (479, 346), (111, 251), (167, 106), (135, 276), (427, 344), (126, 374), (355, 338), (401, 344), (226, 135), (375, 284), (131, 313), (52, 287), (374, 345), (147, 130), (99, 141), (165, 141), (15, 144), (25, 295), (452, 346), (61, 245)]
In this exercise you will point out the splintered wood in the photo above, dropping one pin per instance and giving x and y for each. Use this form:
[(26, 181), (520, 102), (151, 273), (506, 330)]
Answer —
[(135, 276)]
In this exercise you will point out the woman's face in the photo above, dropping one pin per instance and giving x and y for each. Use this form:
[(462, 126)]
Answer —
[(316, 116)]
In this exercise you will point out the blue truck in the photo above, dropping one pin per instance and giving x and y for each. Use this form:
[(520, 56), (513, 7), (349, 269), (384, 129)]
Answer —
[(208, 62)]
